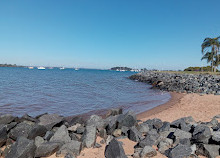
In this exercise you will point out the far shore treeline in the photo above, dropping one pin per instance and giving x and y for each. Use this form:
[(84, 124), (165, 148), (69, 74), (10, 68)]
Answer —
[(9, 65), (205, 68)]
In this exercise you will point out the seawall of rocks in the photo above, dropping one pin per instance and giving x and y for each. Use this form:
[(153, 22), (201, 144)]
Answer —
[(44, 135), (183, 83)]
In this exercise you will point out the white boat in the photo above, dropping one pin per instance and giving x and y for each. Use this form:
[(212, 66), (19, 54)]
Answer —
[(41, 68), (30, 67), (62, 68), (76, 69), (135, 70)]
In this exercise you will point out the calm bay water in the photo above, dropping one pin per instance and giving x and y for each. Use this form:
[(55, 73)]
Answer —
[(69, 92)]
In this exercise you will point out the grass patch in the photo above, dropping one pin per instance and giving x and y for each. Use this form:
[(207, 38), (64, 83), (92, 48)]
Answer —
[(191, 72)]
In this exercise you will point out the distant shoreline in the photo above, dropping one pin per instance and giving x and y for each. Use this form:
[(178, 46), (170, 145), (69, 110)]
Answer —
[(10, 65)]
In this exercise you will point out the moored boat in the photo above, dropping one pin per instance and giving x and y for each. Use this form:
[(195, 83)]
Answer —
[(41, 68)]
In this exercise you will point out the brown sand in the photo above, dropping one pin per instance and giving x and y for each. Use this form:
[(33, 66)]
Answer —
[(201, 108)]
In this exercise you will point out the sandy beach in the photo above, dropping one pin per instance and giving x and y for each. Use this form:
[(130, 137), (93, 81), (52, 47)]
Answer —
[(201, 108)]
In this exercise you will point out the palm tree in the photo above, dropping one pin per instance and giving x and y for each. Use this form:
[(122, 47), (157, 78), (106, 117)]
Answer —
[(208, 56), (211, 58), (216, 61), (212, 44)]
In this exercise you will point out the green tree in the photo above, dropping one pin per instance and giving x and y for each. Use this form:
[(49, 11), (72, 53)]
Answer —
[(210, 49)]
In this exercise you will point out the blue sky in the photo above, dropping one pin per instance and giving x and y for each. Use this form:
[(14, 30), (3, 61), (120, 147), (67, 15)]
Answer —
[(162, 34)]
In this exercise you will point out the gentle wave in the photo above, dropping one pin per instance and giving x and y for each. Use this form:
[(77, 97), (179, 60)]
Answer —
[(69, 92)]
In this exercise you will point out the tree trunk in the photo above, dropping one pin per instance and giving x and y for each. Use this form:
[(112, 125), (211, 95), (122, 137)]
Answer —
[(215, 68), (213, 51), (212, 65)]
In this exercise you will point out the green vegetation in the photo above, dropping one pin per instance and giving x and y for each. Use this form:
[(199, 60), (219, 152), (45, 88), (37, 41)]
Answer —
[(210, 50), (205, 69), (192, 72), (121, 68), (8, 65)]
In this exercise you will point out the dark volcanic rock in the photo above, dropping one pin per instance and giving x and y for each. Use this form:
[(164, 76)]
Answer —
[(148, 151), (143, 128), (74, 120), (184, 123), (22, 148), (73, 148), (80, 130), (75, 136), (149, 140), (185, 141), (97, 121), (38, 141), (124, 130), (180, 151), (37, 130), (165, 127), (201, 134), (47, 149), (127, 120), (217, 127), (113, 112), (89, 136), (154, 123), (28, 118), (68, 155), (50, 120), (6, 119), (114, 150), (210, 151), (22, 129), (111, 124), (10, 125), (164, 145), (180, 134), (48, 135), (3, 135), (183, 83), (103, 134), (216, 137), (61, 135), (134, 134)]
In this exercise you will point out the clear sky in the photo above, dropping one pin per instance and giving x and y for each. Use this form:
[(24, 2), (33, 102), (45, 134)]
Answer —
[(162, 34)]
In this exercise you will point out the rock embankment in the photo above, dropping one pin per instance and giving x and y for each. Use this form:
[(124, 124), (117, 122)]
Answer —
[(44, 135), (183, 83)]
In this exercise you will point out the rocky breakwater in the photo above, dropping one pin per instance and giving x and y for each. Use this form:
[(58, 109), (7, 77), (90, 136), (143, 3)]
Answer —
[(44, 135), (183, 83)]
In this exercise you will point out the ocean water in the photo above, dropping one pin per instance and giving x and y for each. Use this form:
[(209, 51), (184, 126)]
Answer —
[(69, 92)]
